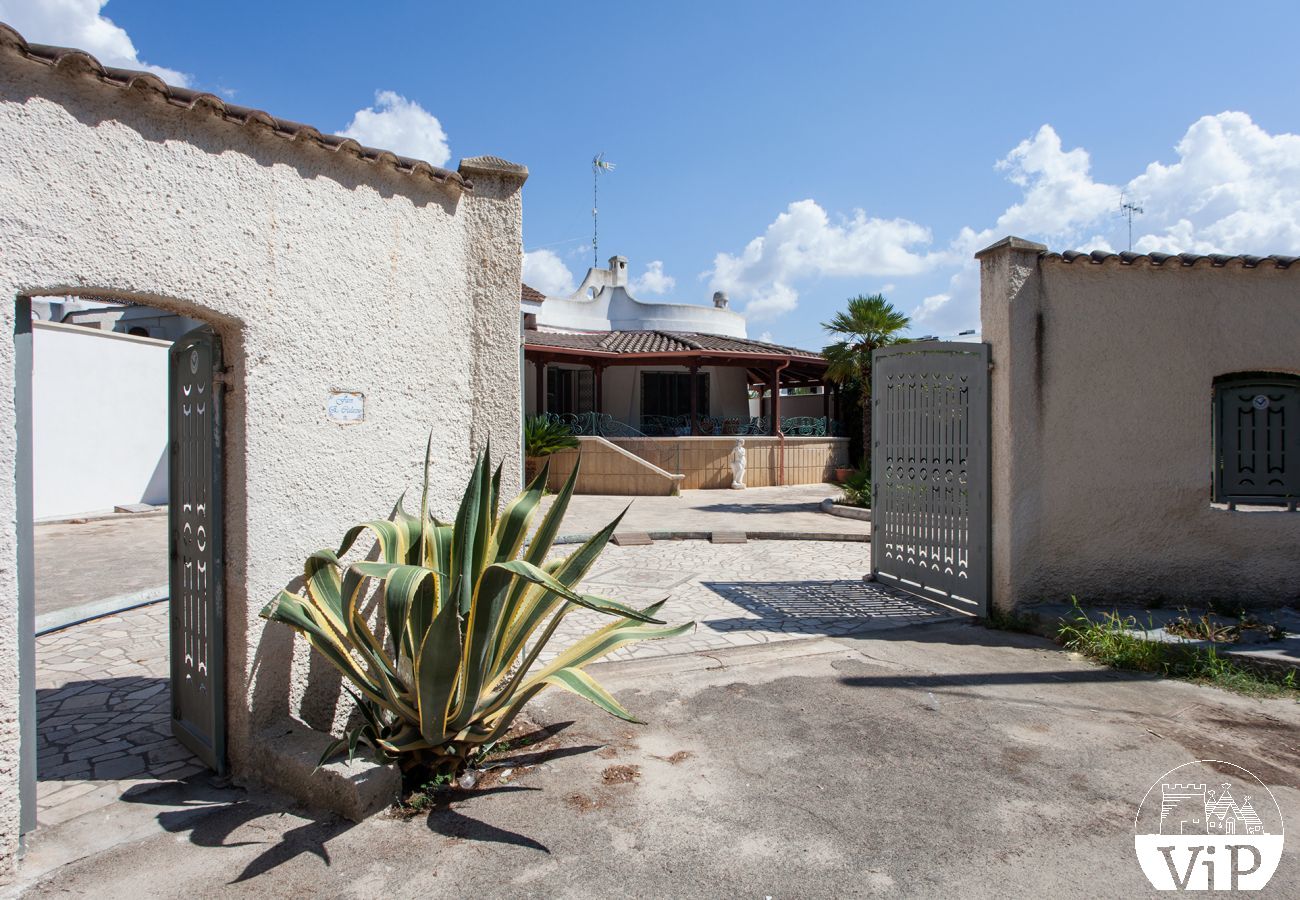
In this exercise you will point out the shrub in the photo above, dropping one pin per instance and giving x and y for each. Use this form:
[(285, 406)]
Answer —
[(857, 489), (465, 617), (544, 436)]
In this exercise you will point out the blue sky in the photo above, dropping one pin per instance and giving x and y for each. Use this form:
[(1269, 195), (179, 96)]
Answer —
[(792, 154)]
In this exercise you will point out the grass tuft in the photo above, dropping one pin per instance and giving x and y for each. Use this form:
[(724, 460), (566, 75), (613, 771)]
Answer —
[(1110, 641)]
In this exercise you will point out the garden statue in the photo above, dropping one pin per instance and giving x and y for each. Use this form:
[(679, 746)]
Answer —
[(738, 466)]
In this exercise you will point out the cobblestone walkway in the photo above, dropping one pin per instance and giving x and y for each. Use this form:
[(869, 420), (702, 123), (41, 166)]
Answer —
[(103, 709), (743, 594)]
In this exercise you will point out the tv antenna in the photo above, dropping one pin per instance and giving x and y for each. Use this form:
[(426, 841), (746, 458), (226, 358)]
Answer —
[(598, 164), (1127, 210)]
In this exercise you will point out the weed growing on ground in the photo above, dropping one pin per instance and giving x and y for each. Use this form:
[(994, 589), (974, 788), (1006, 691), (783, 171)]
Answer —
[(1110, 641)]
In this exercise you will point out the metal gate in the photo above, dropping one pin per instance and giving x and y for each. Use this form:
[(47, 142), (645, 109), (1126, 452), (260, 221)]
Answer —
[(195, 543), (930, 471)]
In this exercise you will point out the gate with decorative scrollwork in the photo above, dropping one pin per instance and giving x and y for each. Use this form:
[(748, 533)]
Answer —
[(930, 471), (195, 547)]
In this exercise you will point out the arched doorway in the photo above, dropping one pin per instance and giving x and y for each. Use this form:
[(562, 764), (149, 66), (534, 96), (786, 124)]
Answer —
[(130, 686)]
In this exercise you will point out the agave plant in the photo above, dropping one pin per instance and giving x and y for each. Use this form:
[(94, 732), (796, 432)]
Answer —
[(466, 612)]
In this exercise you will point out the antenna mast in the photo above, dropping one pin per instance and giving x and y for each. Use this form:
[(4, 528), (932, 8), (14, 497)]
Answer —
[(598, 165), (1127, 209)]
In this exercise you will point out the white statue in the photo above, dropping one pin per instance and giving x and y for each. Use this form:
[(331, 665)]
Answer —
[(738, 466)]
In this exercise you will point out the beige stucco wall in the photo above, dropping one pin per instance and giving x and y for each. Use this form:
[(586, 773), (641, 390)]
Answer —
[(1101, 414), (319, 271), (706, 461)]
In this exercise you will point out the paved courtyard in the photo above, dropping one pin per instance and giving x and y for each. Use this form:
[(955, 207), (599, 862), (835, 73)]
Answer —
[(744, 594), (792, 509), (79, 563), (103, 708)]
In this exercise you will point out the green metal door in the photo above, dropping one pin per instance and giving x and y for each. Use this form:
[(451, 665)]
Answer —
[(195, 539)]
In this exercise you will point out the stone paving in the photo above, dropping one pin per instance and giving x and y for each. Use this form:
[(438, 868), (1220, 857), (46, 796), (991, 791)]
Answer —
[(743, 594), (103, 708), (793, 509)]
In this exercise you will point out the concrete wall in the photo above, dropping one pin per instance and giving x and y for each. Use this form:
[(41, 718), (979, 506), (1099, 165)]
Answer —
[(1102, 416), (320, 271), (609, 469), (99, 423)]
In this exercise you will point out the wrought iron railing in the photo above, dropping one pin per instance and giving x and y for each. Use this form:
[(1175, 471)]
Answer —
[(594, 424), (605, 425)]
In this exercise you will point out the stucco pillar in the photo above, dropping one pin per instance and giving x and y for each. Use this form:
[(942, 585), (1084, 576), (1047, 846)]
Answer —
[(493, 214), (1011, 317)]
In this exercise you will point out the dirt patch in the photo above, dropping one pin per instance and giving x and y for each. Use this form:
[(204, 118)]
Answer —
[(607, 752), (582, 803), (620, 774)]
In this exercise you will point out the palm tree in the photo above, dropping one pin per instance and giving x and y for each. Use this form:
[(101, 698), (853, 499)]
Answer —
[(868, 324)]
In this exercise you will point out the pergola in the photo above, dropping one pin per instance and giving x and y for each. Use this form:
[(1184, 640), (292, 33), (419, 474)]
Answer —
[(769, 367)]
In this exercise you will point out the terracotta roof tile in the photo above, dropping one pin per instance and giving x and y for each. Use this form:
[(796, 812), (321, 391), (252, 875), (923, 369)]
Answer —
[(530, 294), (75, 61), (659, 342)]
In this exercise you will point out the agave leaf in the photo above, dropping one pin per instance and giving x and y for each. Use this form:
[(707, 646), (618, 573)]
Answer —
[(578, 682), (437, 672)]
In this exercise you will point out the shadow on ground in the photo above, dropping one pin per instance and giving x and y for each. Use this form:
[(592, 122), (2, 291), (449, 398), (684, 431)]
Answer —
[(820, 607), (105, 729)]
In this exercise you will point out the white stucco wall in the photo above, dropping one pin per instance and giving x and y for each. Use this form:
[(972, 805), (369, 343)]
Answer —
[(319, 271), (99, 423), (1102, 389), (603, 303)]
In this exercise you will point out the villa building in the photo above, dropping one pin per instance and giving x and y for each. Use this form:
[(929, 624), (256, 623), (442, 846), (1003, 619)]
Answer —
[(644, 375)]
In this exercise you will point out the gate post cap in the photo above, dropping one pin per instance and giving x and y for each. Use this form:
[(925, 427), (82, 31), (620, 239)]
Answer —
[(1011, 242)]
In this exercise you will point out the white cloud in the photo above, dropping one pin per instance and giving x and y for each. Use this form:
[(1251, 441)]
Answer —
[(78, 23), (402, 126), (766, 337), (802, 243), (653, 280), (929, 306), (544, 270)]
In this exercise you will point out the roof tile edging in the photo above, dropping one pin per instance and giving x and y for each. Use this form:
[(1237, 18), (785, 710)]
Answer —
[(72, 59), (1184, 260)]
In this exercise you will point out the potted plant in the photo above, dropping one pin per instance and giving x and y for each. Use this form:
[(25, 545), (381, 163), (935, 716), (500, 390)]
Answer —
[(542, 437)]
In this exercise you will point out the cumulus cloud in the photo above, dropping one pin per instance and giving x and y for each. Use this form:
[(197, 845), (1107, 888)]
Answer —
[(929, 306), (402, 126), (653, 280), (803, 243), (544, 270), (80, 24)]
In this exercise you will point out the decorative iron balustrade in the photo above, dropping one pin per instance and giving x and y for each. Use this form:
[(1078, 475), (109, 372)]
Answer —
[(605, 425), (594, 424)]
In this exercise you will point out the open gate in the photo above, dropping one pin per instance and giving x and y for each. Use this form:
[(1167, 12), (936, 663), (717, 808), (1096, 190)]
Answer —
[(930, 471), (195, 547)]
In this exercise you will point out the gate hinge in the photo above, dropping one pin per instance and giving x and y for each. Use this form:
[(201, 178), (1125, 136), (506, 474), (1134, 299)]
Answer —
[(223, 378)]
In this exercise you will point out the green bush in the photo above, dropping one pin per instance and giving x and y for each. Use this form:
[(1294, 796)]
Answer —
[(466, 613), (857, 489), (544, 436)]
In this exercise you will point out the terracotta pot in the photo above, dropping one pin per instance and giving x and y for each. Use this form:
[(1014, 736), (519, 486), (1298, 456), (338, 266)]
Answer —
[(843, 474)]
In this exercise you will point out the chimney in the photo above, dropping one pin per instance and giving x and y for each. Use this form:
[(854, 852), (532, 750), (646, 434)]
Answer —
[(618, 269), (720, 299)]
